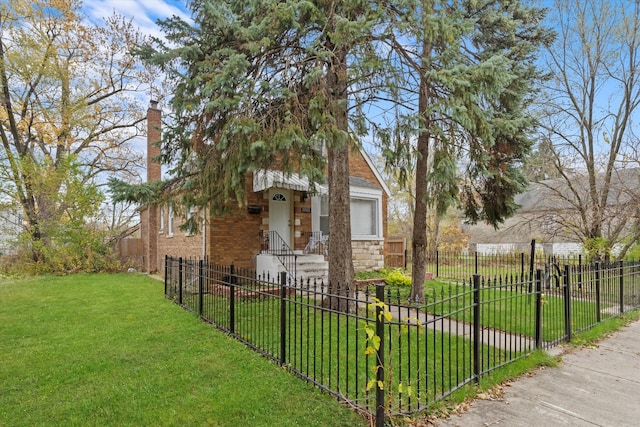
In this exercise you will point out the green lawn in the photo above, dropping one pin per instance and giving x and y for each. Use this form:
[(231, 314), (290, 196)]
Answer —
[(330, 348), (110, 350), (512, 308)]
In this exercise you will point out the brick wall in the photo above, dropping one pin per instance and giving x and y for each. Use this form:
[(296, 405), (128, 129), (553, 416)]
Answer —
[(302, 219), (359, 168), (178, 244), (236, 238)]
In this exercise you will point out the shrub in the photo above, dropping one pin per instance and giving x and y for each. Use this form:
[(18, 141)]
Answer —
[(633, 254), (67, 250), (397, 278)]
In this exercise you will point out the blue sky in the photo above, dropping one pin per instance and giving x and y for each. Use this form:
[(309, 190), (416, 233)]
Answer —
[(143, 13)]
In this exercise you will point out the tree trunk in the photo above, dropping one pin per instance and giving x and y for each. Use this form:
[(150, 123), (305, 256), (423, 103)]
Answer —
[(419, 243), (340, 251)]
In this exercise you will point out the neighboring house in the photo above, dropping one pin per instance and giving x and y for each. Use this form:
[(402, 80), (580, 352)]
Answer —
[(547, 214), (282, 218), (10, 228), (527, 224)]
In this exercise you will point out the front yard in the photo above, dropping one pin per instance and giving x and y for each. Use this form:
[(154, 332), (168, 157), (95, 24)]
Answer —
[(109, 350)]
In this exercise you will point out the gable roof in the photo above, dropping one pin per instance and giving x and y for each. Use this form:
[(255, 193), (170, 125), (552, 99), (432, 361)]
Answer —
[(555, 194), (375, 171)]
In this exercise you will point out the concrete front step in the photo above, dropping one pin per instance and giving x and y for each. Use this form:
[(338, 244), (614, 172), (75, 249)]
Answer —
[(313, 267), (308, 267)]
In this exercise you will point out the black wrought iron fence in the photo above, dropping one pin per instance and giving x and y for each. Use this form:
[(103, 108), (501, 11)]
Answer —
[(460, 266), (418, 354)]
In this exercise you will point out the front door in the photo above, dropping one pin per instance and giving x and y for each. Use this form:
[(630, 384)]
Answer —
[(280, 215)]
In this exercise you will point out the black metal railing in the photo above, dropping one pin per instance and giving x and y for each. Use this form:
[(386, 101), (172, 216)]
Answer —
[(460, 266), (274, 244), (347, 341)]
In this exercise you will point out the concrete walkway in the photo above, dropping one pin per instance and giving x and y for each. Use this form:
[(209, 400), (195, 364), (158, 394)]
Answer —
[(592, 387), (491, 337)]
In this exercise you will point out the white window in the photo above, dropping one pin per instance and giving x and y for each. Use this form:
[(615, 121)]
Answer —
[(170, 223), (161, 228), (364, 217), (192, 212), (324, 215), (366, 213)]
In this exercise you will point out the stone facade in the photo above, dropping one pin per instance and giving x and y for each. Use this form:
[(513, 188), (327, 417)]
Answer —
[(367, 255)]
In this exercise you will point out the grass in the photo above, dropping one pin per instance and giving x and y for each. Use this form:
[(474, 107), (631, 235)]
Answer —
[(109, 350), (330, 349), (512, 309)]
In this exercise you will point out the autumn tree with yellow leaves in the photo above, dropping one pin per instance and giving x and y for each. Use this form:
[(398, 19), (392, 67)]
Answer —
[(68, 111)]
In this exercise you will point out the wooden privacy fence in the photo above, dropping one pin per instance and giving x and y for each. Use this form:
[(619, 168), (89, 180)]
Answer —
[(130, 249), (395, 252)]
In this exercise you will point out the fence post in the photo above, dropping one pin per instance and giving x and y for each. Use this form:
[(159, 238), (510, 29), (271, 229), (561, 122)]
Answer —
[(200, 287), (621, 287), (380, 407), (579, 271), (166, 276), (477, 339), (406, 252), (283, 317), (598, 314), (532, 256), (567, 303), (232, 299), (538, 280), (180, 280), (522, 267), (476, 262), (437, 263)]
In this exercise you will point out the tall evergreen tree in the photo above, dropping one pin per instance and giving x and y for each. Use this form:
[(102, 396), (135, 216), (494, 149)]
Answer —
[(475, 62), (259, 82)]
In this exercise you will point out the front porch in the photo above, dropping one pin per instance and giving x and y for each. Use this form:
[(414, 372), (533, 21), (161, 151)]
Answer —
[(308, 264)]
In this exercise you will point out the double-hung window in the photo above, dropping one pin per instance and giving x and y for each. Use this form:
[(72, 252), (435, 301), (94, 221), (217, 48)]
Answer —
[(366, 213), (170, 222)]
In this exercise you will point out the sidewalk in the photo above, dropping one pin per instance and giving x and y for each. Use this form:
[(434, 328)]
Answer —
[(591, 387)]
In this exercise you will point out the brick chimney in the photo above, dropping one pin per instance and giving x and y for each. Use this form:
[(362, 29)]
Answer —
[(154, 135), (150, 215)]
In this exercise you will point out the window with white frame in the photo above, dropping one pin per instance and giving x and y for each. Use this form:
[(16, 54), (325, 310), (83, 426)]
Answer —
[(192, 212), (366, 213), (170, 222), (364, 217), (324, 215), (161, 227)]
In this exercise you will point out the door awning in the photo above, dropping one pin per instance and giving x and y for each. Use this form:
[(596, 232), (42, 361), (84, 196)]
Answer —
[(265, 179)]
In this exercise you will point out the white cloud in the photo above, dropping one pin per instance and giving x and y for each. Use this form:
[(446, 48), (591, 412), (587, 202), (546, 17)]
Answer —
[(143, 13)]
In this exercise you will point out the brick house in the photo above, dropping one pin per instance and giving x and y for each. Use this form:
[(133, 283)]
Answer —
[(282, 218)]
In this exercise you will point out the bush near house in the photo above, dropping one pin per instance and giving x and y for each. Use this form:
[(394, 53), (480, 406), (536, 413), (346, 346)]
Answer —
[(392, 277)]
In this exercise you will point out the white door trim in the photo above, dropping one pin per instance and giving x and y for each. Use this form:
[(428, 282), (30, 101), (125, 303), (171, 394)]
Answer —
[(280, 213)]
